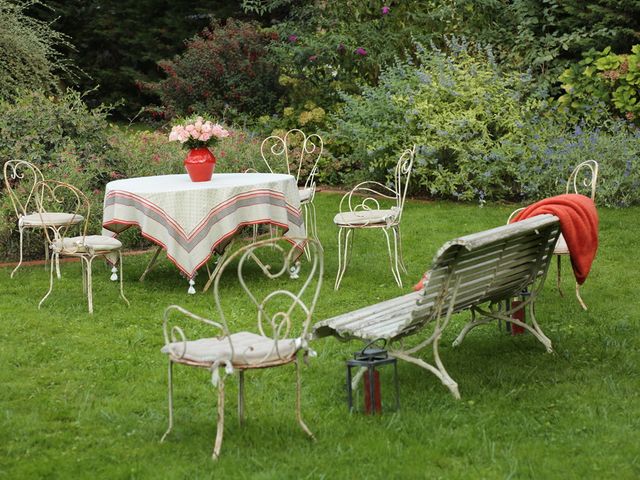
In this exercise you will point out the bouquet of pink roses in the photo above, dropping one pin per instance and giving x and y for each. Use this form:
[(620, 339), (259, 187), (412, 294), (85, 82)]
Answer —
[(197, 133)]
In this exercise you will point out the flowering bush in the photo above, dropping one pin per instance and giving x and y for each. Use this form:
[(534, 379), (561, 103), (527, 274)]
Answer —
[(224, 71), (483, 133), (197, 133)]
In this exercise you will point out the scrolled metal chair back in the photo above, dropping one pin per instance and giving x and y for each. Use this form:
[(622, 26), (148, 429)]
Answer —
[(584, 178), (20, 179), (402, 175), (283, 290), (295, 153), (53, 196)]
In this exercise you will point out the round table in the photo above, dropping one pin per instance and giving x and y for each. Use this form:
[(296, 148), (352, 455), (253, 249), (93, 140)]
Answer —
[(192, 220)]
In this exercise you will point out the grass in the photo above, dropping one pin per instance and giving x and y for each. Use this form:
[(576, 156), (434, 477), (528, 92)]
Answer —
[(85, 396)]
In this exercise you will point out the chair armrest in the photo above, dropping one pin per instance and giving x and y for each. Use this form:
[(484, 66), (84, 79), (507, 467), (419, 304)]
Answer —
[(171, 335)]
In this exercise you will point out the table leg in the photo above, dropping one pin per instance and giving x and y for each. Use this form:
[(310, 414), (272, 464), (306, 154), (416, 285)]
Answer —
[(151, 263)]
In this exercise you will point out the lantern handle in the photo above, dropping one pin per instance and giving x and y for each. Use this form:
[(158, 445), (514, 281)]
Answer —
[(373, 342)]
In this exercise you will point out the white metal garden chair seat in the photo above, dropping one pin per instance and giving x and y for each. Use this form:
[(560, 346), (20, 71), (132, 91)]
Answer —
[(357, 212), (91, 243), (52, 194), (283, 319), (49, 218), (561, 246), (306, 194), (20, 179), (242, 350), (363, 218)]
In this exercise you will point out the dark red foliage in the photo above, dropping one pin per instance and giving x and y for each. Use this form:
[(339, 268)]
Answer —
[(224, 68)]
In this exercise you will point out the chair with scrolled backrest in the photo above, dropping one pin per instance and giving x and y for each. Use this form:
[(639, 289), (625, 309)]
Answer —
[(582, 180), (358, 213), (52, 197), (20, 179), (297, 154), (281, 294)]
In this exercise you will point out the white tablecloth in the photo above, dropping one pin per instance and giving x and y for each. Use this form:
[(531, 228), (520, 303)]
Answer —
[(190, 219)]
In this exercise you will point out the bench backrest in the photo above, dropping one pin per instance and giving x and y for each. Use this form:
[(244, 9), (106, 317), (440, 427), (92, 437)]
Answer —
[(487, 266)]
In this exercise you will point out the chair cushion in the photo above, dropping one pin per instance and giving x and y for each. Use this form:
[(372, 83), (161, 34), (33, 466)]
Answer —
[(305, 194), (561, 247), (81, 244), (50, 218), (365, 217), (248, 348)]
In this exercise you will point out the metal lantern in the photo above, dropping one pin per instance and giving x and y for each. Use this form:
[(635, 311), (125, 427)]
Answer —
[(369, 360)]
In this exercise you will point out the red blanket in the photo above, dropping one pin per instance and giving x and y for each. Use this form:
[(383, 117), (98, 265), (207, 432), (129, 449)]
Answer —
[(579, 224)]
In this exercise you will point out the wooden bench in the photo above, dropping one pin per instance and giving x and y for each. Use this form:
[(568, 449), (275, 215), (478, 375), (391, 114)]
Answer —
[(481, 272)]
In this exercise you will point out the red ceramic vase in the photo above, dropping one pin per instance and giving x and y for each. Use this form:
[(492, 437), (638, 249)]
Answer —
[(200, 163)]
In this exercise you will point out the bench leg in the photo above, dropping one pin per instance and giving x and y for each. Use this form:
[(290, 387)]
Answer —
[(468, 327), (439, 372)]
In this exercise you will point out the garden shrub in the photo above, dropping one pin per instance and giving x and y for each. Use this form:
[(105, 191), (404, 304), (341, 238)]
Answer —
[(553, 147), (63, 137), (611, 78), (457, 106), (28, 51), (483, 133), (224, 72)]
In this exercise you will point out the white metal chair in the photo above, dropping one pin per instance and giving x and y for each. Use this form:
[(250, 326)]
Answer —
[(297, 154), (274, 321), (52, 195), (583, 180), (358, 213), (20, 179)]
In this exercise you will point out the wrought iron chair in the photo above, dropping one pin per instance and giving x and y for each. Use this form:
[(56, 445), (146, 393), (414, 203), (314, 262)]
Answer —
[(583, 179), (297, 154), (52, 195), (358, 213), (283, 316), (20, 179)]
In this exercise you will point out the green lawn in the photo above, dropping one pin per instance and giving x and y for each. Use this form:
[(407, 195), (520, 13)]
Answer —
[(85, 396)]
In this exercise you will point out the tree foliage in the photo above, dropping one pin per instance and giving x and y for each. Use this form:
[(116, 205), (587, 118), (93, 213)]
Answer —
[(119, 42)]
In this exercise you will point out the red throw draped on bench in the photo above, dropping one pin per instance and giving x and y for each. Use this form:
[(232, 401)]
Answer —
[(579, 224)]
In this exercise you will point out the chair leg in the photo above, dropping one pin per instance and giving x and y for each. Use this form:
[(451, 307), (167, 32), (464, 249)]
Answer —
[(313, 223), (393, 256), (241, 397), (343, 254), (299, 400), (122, 278), (218, 444), (88, 266), (400, 256), (305, 208), (559, 269), (21, 230), (582, 304), (84, 277), (170, 382), (53, 256)]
